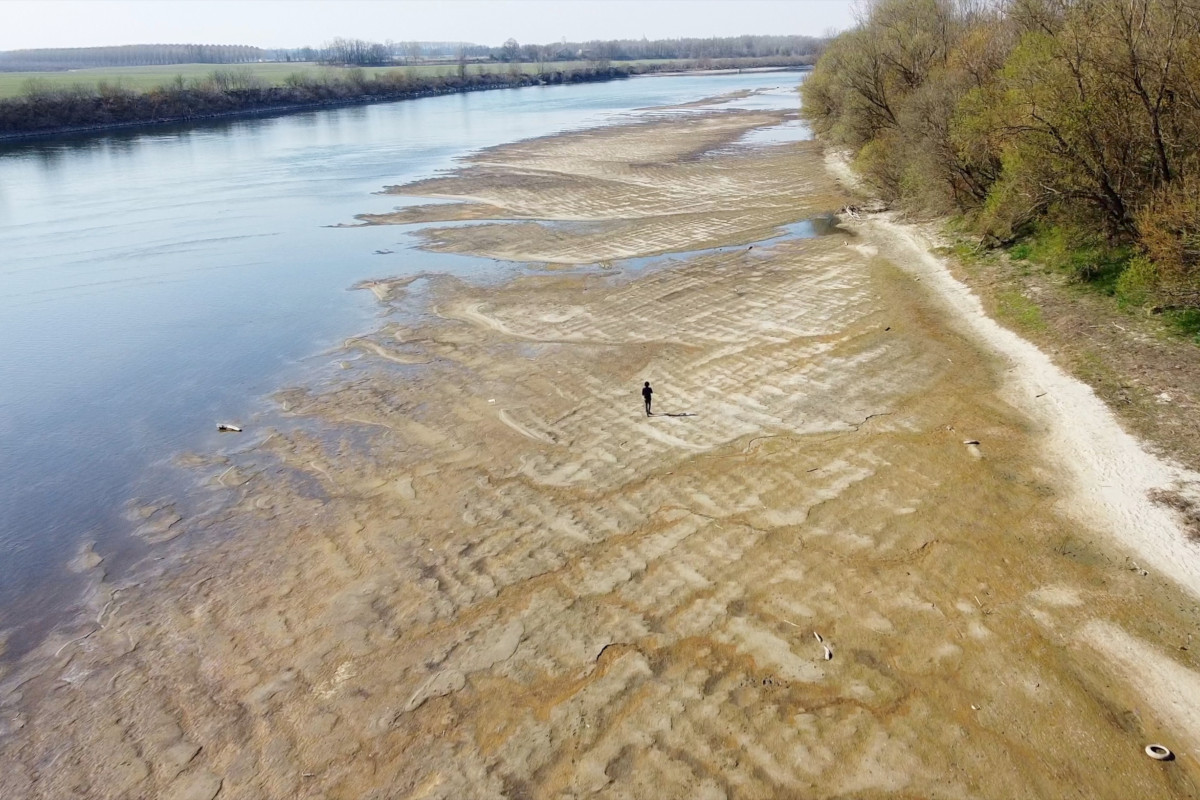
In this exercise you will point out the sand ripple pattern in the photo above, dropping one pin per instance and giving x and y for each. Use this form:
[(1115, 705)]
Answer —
[(480, 571), (621, 192)]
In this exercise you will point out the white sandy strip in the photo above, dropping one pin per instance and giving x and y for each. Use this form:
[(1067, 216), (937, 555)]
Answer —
[(1170, 688), (1110, 470)]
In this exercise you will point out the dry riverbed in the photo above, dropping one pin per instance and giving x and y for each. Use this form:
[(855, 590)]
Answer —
[(844, 559)]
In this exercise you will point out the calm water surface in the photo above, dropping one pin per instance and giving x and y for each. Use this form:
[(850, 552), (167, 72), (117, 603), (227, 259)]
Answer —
[(154, 283)]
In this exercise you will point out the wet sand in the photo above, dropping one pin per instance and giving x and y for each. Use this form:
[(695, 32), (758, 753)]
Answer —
[(479, 570)]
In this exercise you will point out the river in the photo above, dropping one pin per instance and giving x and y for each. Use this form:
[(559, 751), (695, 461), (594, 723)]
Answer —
[(154, 283)]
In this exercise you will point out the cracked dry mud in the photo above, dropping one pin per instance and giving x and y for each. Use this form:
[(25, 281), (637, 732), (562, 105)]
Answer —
[(479, 571)]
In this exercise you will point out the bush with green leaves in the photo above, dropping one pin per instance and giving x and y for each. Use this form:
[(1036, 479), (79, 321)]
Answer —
[(1068, 128)]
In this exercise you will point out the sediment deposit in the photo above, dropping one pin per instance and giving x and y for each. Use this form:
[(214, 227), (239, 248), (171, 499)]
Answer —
[(834, 563)]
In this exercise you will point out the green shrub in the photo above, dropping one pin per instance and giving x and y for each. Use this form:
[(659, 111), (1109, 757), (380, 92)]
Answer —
[(877, 163), (1083, 255), (1169, 229), (1136, 283), (1186, 322)]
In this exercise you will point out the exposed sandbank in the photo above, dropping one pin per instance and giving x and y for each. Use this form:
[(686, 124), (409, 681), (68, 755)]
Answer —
[(490, 575)]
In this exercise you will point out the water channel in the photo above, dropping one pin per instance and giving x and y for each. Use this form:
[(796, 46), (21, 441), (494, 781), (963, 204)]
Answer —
[(154, 283)]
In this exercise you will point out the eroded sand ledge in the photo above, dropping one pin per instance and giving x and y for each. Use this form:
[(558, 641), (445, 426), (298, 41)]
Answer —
[(485, 573)]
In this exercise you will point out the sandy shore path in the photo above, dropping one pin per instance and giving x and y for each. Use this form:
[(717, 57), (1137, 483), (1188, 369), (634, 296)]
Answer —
[(838, 562)]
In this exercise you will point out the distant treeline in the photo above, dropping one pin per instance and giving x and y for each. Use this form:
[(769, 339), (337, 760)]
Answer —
[(637, 49), (800, 49), (130, 55), (230, 92), (1069, 127), (364, 53)]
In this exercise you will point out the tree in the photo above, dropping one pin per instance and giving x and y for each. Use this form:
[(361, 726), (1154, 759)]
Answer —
[(462, 61), (1076, 118)]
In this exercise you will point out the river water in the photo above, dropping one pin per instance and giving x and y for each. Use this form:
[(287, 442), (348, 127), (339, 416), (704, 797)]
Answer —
[(154, 283)]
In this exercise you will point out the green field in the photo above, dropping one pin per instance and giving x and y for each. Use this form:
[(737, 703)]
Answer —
[(13, 84)]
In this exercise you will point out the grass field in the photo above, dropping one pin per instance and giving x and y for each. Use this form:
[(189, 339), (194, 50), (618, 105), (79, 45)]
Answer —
[(13, 84)]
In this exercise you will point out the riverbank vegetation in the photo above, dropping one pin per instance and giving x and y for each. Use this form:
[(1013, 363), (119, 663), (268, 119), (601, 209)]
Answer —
[(233, 91), (1065, 130), (155, 90), (262, 75), (281, 73)]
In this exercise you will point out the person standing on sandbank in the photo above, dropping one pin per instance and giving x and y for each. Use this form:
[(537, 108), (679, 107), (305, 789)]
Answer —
[(646, 393)]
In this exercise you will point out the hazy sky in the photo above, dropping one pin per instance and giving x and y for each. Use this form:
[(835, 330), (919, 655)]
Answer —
[(295, 23)]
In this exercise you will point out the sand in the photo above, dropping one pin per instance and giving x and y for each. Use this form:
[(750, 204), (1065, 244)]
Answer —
[(475, 568)]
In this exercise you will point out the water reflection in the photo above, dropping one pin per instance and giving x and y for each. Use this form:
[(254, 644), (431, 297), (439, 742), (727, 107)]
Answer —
[(155, 281), (125, 139)]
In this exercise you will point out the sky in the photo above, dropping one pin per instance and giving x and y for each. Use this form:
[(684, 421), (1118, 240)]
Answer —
[(295, 23)]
